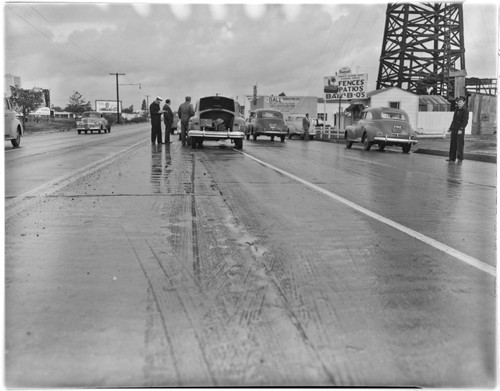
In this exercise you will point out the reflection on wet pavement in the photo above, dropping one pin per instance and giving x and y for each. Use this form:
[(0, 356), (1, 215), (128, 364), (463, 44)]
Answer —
[(161, 160)]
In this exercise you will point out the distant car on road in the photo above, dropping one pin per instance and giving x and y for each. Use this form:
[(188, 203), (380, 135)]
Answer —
[(266, 122), (294, 126), (381, 126), (13, 127), (92, 121), (216, 118)]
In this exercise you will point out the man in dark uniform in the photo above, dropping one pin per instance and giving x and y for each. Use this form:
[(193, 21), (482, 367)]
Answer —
[(155, 112), (457, 129), (168, 120)]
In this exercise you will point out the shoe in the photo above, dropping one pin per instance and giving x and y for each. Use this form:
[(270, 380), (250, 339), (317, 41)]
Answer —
[(460, 161), (449, 160)]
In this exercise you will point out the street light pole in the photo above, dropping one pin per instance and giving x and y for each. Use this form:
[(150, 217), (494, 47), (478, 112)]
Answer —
[(117, 96)]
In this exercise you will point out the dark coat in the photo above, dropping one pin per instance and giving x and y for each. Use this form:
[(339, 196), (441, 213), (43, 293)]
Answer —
[(460, 119), (154, 109), (168, 115)]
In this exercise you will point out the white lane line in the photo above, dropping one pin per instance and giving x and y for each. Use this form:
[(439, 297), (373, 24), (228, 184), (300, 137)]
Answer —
[(417, 235), (19, 203)]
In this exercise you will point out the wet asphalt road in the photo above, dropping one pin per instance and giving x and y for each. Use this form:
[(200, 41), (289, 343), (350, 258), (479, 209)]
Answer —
[(296, 263)]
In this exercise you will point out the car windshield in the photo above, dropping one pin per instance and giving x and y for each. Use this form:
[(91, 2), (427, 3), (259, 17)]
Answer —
[(270, 115), (91, 115), (216, 102), (392, 115)]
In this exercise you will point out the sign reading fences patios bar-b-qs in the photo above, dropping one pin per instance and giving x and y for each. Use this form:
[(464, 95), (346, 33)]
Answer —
[(345, 85)]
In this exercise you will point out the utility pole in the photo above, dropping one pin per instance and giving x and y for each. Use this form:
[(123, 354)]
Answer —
[(117, 97), (147, 105)]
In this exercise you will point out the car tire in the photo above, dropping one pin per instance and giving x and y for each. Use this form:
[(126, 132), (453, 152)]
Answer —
[(282, 139), (109, 128), (381, 147), (254, 137), (348, 143), (367, 144), (311, 137), (248, 136), (406, 148), (272, 138), (79, 132), (238, 143), (16, 141)]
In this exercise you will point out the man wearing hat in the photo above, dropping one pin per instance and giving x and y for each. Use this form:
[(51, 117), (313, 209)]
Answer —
[(185, 112), (168, 119), (155, 112), (457, 129)]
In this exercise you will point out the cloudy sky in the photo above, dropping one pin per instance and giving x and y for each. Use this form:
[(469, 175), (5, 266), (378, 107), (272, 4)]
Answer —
[(173, 50)]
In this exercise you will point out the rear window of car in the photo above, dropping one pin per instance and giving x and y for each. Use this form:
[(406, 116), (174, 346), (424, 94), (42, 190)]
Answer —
[(392, 115), (216, 102), (270, 115)]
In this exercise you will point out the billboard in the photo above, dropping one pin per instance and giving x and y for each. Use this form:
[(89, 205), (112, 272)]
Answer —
[(345, 86), (107, 106), (292, 104)]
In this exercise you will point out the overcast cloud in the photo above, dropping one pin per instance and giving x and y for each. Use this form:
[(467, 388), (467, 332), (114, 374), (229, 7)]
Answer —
[(175, 50)]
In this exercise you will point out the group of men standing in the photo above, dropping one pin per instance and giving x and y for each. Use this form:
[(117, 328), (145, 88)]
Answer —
[(185, 112)]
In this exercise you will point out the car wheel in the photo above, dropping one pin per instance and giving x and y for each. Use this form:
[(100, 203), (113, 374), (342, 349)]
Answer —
[(282, 139), (272, 138), (100, 129), (254, 137), (194, 142), (109, 128), (248, 136), (79, 132), (16, 141), (406, 148), (289, 136), (367, 144), (348, 143), (311, 137), (381, 146), (238, 143)]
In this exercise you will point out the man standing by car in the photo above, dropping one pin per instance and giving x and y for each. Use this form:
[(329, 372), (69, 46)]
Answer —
[(306, 123), (155, 112), (168, 119), (185, 112), (457, 129)]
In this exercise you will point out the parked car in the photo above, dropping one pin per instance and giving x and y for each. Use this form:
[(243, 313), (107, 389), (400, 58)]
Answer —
[(13, 129), (216, 118), (383, 127), (266, 122), (294, 126), (92, 121)]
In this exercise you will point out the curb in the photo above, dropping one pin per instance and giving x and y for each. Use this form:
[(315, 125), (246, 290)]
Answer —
[(435, 152), (467, 156)]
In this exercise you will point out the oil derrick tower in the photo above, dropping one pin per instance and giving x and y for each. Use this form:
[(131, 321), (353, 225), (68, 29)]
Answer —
[(423, 49)]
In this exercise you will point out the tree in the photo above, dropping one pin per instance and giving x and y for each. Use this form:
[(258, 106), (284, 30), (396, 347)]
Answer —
[(77, 104), (129, 110), (144, 105), (26, 101)]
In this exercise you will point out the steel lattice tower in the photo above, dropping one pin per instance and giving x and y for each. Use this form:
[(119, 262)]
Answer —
[(423, 47)]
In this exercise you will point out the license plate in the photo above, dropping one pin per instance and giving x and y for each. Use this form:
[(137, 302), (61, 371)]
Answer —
[(272, 126), (396, 129)]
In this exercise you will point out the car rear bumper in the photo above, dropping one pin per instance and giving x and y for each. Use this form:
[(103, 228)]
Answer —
[(395, 140), (216, 135)]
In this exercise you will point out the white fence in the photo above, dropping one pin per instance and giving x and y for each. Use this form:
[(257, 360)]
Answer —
[(437, 122)]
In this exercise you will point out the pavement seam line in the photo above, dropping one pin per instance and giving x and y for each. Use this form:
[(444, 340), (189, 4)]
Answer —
[(417, 235)]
